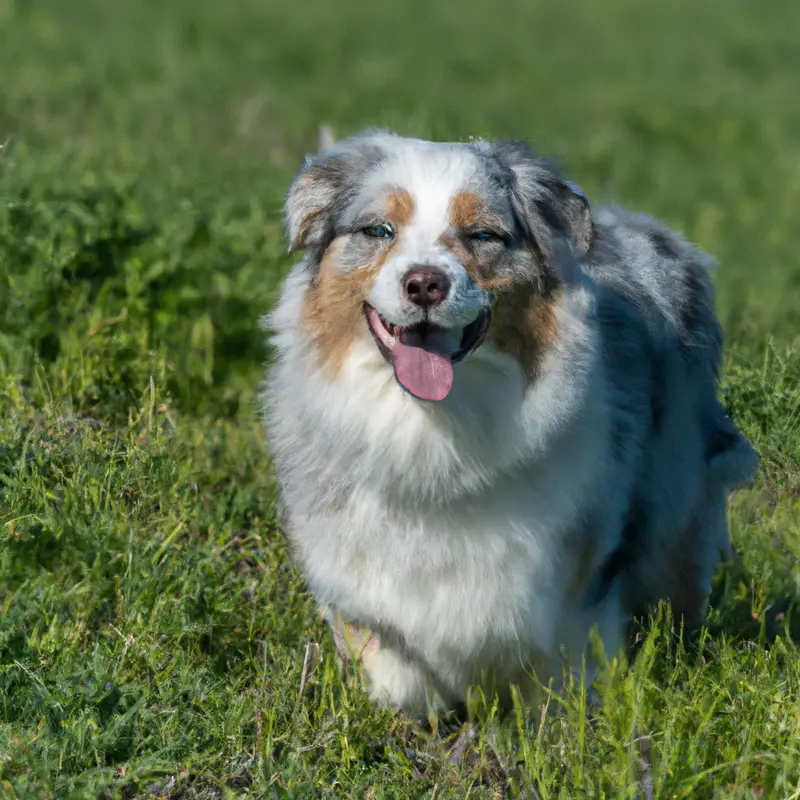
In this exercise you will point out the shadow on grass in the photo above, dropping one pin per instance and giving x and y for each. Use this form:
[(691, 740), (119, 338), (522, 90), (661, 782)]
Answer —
[(740, 611)]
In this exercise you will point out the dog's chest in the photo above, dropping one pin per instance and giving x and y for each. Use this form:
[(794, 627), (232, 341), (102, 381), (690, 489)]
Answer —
[(464, 580)]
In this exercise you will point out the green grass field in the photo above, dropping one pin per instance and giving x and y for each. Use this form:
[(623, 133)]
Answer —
[(152, 636)]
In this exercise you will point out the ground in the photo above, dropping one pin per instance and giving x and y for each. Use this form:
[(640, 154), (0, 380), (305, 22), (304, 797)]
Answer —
[(152, 635)]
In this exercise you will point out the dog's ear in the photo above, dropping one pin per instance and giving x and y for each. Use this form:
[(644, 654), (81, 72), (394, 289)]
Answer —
[(308, 212), (324, 187), (545, 204)]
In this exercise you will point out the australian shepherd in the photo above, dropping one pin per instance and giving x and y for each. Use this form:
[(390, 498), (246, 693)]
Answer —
[(493, 414)]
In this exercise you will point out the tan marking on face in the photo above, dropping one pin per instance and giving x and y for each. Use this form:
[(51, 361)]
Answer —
[(465, 209), (332, 313), (469, 212), (399, 207), (524, 326)]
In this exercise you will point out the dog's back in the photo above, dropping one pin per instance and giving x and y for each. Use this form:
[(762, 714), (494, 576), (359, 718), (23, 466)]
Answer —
[(657, 296)]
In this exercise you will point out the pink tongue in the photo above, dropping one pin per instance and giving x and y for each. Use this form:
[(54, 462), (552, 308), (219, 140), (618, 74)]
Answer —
[(426, 374)]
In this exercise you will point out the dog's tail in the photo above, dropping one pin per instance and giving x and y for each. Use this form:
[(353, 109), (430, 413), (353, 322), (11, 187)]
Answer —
[(732, 460)]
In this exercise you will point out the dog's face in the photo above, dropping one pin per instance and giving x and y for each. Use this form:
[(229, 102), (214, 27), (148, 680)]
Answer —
[(428, 249)]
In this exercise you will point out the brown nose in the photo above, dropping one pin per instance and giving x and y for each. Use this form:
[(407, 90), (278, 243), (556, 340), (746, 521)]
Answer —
[(426, 287)]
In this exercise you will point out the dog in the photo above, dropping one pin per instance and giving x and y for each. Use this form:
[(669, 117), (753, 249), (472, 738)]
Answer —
[(493, 415)]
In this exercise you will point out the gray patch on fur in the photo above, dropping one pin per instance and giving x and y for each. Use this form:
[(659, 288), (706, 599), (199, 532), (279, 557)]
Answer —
[(325, 187), (674, 338), (544, 202), (666, 277)]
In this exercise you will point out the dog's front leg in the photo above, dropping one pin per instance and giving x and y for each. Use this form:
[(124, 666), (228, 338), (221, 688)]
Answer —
[(391, 678)]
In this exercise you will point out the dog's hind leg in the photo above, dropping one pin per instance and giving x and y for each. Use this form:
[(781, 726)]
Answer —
[(731, 464)]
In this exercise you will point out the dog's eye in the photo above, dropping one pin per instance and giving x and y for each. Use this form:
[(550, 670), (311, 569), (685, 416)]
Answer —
[(485, 236), (378, 231)]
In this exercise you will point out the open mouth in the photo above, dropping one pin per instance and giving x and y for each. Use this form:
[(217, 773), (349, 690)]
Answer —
[(423, 355)]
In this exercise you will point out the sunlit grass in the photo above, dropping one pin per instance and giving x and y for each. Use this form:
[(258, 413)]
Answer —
[(152, 636)]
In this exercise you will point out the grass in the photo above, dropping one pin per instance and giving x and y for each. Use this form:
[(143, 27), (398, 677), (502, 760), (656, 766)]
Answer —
[(152, 636)]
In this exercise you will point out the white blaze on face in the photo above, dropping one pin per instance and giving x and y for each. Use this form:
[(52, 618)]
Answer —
[(422, 354), (433, 176)]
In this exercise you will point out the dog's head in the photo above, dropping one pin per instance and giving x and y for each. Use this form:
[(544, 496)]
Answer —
[(430, 248)]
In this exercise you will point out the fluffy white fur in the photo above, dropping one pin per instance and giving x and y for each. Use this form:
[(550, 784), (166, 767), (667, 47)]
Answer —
[(468, 535)]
